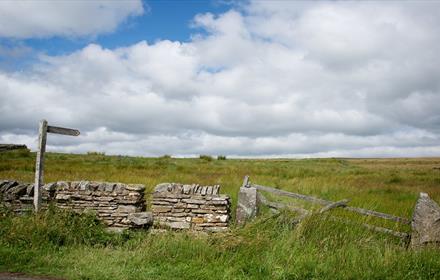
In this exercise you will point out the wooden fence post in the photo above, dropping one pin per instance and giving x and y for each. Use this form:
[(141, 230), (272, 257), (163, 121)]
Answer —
[(247, 205), (39, 166)]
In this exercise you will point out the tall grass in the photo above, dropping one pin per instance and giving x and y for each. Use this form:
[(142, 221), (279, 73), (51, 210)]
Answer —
[(75, 246)]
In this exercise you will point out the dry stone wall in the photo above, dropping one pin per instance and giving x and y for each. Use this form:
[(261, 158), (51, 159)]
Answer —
[(19, 197), (194, 207), (117, 205)]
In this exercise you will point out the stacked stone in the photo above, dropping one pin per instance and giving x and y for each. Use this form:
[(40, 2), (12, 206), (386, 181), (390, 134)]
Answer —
[(113, 203), (195, 207), (116, 205), (19, 197)]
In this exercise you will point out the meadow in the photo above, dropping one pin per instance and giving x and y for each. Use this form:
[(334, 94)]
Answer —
[(72, 246)]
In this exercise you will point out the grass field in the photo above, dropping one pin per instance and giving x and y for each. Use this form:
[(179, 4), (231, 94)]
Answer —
[(76, 247)]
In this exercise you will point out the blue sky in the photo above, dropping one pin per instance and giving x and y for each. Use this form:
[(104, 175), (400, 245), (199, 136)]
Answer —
[(162, 19), (265, 79), (170, 20)]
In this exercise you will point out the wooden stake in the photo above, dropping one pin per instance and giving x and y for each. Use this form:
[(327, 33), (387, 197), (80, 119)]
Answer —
[(245, 182), (39, 166)]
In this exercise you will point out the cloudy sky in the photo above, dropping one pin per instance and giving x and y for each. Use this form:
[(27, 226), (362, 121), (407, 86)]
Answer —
[(251, 79)]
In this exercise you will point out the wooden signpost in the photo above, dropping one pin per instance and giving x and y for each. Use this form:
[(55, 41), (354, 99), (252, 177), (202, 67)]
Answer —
[(39, 166)]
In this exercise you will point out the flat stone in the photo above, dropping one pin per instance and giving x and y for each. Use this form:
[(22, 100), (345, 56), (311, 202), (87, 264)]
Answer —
[(129, 202), (209, 190), (17, 190), (160, 209), (50, 187), (109, 187), (6, 186), (119, 188), (212, 218), (203, 191), (197, 220), (30, 189), (103, 198), (63, 197), (177, 219), (135, 187), (187, 189), (163, 187), (217, 202), (3, 182), (26, 198), (194, 201), (192, 206), (62, 185), (84, 185), (215, 190), (93, 186), (155, 202), (220, 198), (141, 218), (177, 214), (126, 208), (202, 211), (173, 200)]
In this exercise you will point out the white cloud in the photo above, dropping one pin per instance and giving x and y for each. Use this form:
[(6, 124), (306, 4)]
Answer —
[(271, 79), (35, 19)]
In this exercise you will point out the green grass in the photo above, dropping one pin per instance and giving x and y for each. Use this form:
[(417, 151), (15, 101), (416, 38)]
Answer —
[(77, 247)]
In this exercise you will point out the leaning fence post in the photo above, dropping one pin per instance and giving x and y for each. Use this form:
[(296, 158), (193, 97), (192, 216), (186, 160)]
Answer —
[(247, 202), (39, 165)]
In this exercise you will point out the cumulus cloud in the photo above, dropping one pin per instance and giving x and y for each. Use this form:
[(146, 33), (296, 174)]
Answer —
[(264, 79), (35, 19)]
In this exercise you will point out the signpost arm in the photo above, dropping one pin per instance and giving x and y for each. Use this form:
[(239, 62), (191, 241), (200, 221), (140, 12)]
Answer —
[(39, 166)]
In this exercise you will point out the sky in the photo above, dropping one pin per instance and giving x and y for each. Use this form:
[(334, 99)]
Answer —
[(235, 78)]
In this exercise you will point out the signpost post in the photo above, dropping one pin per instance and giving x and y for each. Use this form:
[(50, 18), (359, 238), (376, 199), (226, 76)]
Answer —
[(39, 166)]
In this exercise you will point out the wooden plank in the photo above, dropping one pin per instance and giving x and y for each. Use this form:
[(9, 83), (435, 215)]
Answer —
[(39, 165), (324, 202), (62, 130), (340, 203), (367, 212), (279, 205), (291, 194)]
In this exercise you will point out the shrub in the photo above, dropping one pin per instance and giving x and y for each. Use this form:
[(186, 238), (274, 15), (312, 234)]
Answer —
[(221, 157), (206, 157), (94, 153)]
